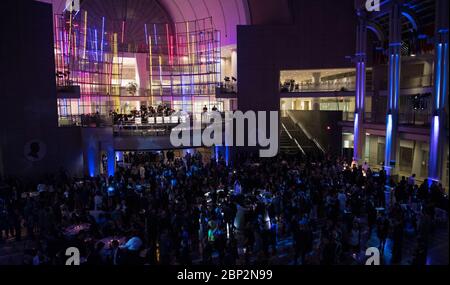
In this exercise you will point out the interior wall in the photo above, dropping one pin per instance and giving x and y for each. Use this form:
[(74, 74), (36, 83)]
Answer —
[(310, 43), (264, 12), (322, 126), (28, 95)]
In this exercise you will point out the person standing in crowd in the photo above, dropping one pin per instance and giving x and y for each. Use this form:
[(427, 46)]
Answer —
[(412, 180), (183, 210), (383, 227)]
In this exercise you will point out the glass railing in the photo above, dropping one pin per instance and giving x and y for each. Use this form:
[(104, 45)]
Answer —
[(226, 88), (413, 119), (417, 82), (89, 121), (348, 116), (69, 121), (416, 119), (206, 89), (162, 125), (139, 125), (411, 82), (322, 87)]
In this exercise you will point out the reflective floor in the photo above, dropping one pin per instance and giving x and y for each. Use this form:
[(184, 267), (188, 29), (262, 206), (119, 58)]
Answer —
[(12, 252)]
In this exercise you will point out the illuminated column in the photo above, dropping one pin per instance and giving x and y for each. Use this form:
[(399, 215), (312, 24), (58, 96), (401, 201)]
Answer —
[(115, 72), (119, 156), (439, 127), (111, 155), (150, 69), (360, 58), (395, 42)]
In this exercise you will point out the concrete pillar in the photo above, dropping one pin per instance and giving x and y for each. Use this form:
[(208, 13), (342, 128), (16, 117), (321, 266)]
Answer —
[(373, 150), (417, 158), (110, 153), (91, 158), (222, 68), (360, 58), (366, 144), (315, 104), (439, 124), (95, 142), (234, 63), (316, 78), (395, 42)]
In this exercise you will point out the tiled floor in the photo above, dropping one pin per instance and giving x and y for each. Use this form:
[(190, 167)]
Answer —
[(437, 251), (11, 251)]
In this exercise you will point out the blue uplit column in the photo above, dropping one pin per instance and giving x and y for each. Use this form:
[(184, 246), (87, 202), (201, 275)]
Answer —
[(360, 58), (111, 155), (439, 127), (395, 42), (216, 153)]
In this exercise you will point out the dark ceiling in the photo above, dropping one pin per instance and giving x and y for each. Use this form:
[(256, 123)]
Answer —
[(135, 14), (425, 12)]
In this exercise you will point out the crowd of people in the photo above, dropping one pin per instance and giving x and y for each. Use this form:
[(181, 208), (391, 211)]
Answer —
[(145, 113), (162, 110), (191, 210)]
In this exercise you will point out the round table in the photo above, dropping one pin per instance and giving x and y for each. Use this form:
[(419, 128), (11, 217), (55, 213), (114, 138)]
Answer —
[(108, 240), (76, 229)]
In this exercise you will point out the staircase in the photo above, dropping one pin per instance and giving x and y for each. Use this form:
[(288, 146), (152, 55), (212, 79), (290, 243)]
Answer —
[(287, 143), (294, 140)]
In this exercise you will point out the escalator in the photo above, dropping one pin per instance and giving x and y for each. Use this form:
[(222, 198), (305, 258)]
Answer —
[(294, 139)]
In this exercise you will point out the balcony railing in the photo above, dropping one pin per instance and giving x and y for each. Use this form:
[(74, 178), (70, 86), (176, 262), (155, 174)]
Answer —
[(226, 88), (322, 87), (206, 89), (137, 125), (92, 121), (413, 118), (160, 126), (411, 82)]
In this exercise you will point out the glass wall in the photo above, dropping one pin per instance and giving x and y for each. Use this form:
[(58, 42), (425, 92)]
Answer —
[(178, 67), (320, 80), (344, 104), (412, 155)]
